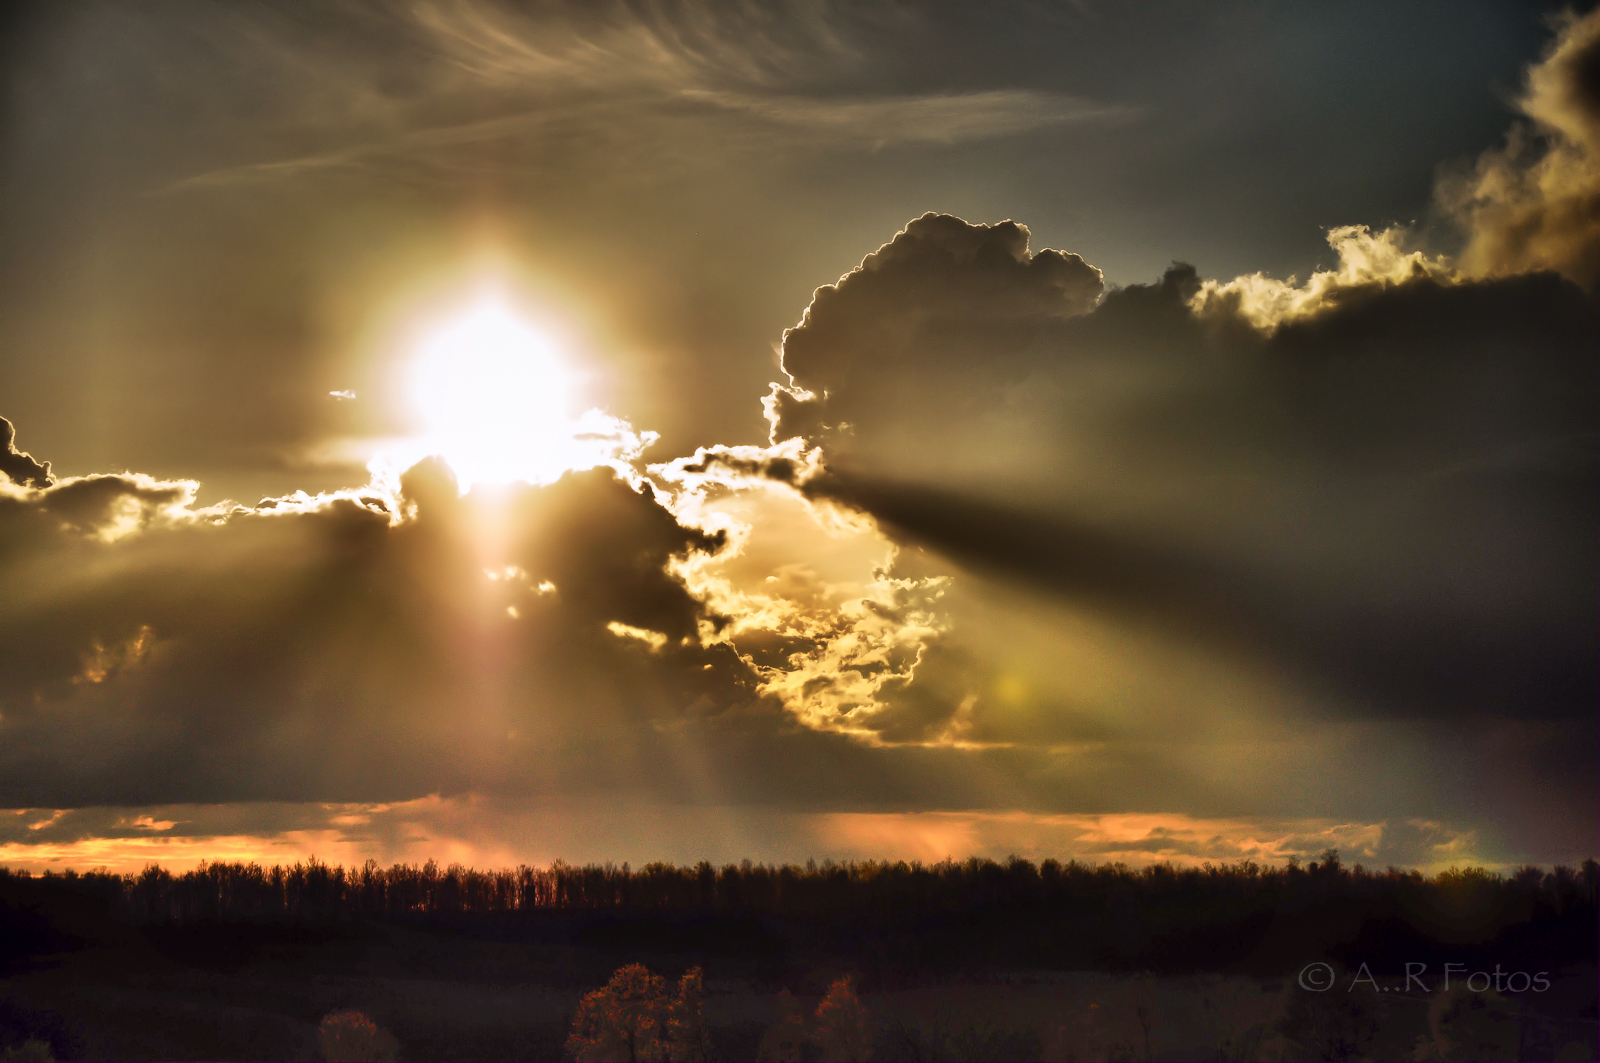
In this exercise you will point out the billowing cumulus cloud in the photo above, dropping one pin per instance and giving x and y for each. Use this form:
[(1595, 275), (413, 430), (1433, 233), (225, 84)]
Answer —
[(1375, 494), (1367, 260), (1534, 203), (1369, 496), (1378, 482), (929, 294), (804, 592)]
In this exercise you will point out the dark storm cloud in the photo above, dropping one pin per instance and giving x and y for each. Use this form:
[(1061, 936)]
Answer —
[(18, 465), (327, 649), (1393, 497), (332, 649), (373, 646)]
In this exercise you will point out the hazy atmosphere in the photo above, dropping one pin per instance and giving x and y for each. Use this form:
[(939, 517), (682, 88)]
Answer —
[(658, 431)]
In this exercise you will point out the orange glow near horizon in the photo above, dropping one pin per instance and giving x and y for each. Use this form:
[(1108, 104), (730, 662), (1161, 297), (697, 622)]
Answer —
[(483, 833)]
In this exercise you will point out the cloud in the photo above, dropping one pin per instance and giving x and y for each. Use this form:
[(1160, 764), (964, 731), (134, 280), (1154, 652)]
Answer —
[(335, 645), (420, 151), (1019, 545), (937, 118), (104, 506), (612, 44), (653, 639), (1534, 204), (1360, 498), (804, 591), (1221, 517), (622, 80), (18, 465), (1529, 206), (939, 272), (1366, 260), (609, 665), (401, 638)]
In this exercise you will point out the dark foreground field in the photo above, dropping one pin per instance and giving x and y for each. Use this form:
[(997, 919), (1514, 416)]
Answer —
[(970, 961)]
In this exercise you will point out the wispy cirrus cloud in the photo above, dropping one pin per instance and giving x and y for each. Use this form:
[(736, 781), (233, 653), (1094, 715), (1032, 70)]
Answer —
[(937, 118), (655, 83)]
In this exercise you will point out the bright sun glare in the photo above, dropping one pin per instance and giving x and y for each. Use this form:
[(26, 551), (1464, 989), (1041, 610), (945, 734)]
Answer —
[(494, 398)]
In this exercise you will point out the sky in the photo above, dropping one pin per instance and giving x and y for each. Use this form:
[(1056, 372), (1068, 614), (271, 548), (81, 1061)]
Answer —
[(619, 432)]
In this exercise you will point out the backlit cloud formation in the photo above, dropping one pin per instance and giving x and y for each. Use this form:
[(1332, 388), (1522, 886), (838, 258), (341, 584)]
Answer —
[(1529, 206), (1194, 569)]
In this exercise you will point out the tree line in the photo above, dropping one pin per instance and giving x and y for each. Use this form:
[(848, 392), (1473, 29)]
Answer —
[(313, 890)]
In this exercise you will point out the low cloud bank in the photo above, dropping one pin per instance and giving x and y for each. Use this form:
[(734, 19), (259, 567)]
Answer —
[(485, 832)]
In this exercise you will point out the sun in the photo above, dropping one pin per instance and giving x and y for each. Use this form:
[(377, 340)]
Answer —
[(494, 397)]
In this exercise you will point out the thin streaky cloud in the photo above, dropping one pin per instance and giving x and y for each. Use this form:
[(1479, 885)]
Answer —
[(417, 144), (943, 118), (795, 121)]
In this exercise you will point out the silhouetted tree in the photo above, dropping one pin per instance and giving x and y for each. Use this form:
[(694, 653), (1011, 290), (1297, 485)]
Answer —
[(631, 1020), (686, 1028), (1466, 1025), (625, 1021), (351, 1037), (1159, 917), (787, 1039), (844, 1029), (1331, 1027)]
